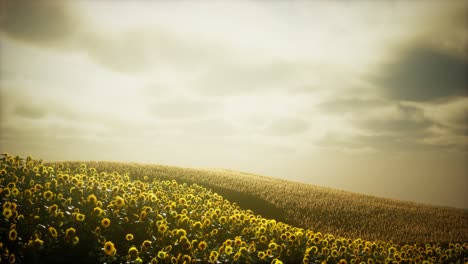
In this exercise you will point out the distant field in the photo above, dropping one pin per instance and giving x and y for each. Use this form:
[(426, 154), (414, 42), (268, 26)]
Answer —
[(321, 209), (101, 212)]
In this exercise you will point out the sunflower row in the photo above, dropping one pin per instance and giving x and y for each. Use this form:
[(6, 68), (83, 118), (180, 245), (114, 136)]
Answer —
[(58, 211)]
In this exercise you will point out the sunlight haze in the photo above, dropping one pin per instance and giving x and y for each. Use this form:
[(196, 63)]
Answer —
[(368, 97)]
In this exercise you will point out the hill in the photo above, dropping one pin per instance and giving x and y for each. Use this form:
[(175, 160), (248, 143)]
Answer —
[(318, 208), (65, 212)]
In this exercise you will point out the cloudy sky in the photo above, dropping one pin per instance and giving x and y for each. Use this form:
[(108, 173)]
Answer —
[(358, 95)]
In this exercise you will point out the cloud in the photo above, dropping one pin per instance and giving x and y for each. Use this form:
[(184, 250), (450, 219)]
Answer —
[(424, 73), (30, 111), (352, 105), (39, 22), (382, 125), (181, 107), (246, 76), (402, 120), (451, 120), (287, 127), (208, 128), (136, 50)]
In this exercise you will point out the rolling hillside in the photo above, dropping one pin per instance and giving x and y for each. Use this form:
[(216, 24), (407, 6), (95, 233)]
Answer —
[(321, 209), (101, 212)]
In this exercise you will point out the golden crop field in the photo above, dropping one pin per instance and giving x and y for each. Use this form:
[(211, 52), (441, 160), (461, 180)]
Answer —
[(99, 212), (317, 208)]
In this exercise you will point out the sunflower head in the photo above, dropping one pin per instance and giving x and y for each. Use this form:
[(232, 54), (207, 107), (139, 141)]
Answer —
[(109, 248), (133, 252), (105, 222), (70, 232), (12, 235), (202, 245)]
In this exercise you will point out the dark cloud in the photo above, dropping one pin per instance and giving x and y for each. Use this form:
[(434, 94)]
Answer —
[(399, 127), (36, 21), (385, 143), (424, 74), (342, 106), (398, 143), (287, 127), (29, 111), (409, 120)]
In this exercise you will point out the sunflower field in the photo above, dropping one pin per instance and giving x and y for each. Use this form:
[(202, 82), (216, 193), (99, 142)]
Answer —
[(55, 213)]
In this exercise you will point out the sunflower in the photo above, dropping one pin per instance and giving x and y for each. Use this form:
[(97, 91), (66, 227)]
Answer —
[(36, 242), (133, 252), (236, 256), (342, 261), (119, 201), (70, 232), (316, 240), (334, 253), (6, 192), (92, 198), (27, 193), (214, 256), (206, 222), (12, 235), (222, 220), (197, 224), (53, 231), (80, 217), (48, 195), (262, 230), (53, 209), (146, 244), (105, 222), (162, 228), (273, 246), (261, 255), (7, 213), (75, 240), (98, 211), (325, 251), (243, 250), (109, 248), (183, 240), (161, 255), (129, 237), (202, 245), (12, 258), (186, 258), (228, 250)]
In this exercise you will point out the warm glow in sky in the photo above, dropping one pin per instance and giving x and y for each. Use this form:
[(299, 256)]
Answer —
[(366, 96)]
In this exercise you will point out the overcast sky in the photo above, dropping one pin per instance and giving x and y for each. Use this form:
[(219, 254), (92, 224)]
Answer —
[(366, 96)]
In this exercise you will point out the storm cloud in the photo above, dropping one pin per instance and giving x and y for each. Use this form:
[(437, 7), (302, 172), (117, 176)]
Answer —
[(39, 22), (424, 74)]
